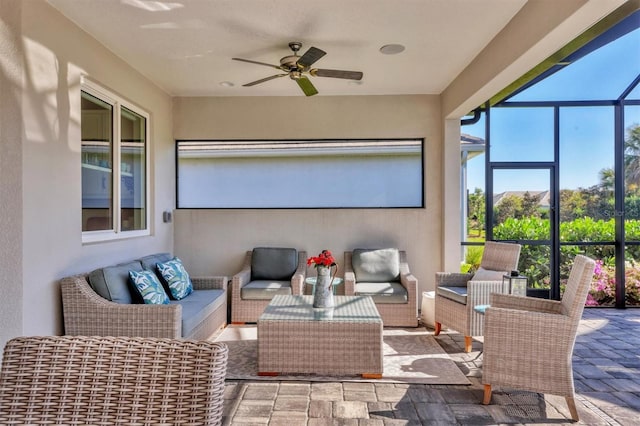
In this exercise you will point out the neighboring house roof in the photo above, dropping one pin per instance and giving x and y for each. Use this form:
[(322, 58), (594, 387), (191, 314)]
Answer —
[(471, 146), (542, 196)]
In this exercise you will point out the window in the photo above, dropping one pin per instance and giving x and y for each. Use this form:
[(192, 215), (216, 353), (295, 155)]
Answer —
[(114, 166), (300, 174)]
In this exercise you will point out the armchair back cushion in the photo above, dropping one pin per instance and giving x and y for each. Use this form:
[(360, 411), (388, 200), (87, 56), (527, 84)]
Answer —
[(112, 282), (273, 263), (376, 265)]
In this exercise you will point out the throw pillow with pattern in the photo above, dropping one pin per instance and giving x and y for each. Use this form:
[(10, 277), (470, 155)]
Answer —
[(176, 277), (147, 284)]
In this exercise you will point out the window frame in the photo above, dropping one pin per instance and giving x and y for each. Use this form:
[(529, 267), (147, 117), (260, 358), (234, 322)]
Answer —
[(117, 103)]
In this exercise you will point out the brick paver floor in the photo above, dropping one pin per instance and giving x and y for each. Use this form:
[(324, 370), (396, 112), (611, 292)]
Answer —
[(607, 379)]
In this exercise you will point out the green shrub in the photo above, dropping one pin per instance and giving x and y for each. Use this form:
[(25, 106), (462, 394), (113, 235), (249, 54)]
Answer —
[(534, 259), (472, 259)]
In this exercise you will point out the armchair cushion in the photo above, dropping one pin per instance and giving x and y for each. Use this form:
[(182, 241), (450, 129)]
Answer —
[(389, 292), (265, 289), (273, 263), (112, 282), (455, 293), (376, 265), (488, 275)]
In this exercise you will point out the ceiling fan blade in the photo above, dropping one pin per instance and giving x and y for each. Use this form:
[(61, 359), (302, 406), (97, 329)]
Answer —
[(306, 86), (258, 63), (262, 80), (310, 56), (349, 75)]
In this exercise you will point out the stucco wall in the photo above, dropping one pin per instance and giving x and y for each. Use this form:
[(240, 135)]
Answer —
[(214, 241), (10, 170), (55, 54)]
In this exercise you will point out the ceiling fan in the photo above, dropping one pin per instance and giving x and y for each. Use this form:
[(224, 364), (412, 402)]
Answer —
[(296, 67)]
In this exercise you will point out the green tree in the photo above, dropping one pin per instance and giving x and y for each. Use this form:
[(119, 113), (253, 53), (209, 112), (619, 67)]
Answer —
[(572, 204), (476, 206), (508, 207), (607, 179), (632, 157), (529, 206)]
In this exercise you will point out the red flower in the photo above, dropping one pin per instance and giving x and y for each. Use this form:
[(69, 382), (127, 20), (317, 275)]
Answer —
[(323, 259)]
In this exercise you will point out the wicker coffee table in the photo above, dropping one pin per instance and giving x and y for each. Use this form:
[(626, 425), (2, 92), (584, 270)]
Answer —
[(293, 337)]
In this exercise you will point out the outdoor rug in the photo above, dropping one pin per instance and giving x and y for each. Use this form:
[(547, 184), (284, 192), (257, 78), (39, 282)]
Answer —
[(410, 355)]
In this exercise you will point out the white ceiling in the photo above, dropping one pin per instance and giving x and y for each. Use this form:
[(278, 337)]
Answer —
[(186, 46)]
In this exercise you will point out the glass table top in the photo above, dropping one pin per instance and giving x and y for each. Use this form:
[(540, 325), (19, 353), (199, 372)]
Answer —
[(300, 308)]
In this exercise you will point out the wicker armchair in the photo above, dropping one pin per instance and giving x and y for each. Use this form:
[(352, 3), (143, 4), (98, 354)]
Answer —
[(528, 342), (112, 380), (251, 291), (457, 294), (402, 308), (87, 313)]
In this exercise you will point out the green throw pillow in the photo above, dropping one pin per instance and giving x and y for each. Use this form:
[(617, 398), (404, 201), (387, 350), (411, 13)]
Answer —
[(176, 277), (149, 287)]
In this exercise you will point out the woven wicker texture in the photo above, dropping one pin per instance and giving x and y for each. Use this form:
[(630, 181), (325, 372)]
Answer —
[(249, 310), (393, 314), (461, 317), (88, 314), (528, 342), (112, 380), (293, 337)]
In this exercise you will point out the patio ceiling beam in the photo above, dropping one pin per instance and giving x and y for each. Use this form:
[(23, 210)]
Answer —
[(541, 28)]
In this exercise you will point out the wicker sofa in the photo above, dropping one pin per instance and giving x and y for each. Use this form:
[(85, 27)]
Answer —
[(100, 304), (93, 380)]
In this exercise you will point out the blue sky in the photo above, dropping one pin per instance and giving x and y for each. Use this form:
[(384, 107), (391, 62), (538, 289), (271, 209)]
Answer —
[(586, 133)]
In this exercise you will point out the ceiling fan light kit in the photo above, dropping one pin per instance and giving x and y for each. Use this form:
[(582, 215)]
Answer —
[(297, 68)]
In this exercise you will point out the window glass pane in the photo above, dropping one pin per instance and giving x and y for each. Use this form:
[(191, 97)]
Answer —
[(600, 75), (97, 160), (632, 275), (632, 172), (133, 171), (521, 202), (472, 150), (634, 95), (602, 290), (534, 264), (586, 174), (521, 134), (300, 174)]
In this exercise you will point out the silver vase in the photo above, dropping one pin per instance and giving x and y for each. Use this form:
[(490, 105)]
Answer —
[(323, 293)]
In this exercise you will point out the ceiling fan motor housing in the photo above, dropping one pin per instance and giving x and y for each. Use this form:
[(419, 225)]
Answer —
[(289, 63)]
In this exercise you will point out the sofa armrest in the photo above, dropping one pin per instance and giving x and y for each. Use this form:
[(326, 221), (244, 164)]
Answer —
[(210, 283), (87, 313)]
